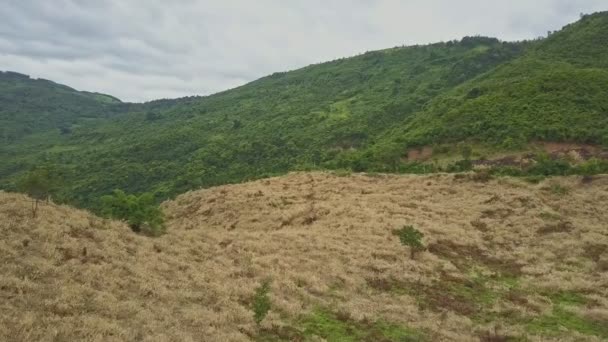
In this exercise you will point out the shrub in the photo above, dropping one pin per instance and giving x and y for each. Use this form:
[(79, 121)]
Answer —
[(545, 166), (141, 212), (460, 166), (412, 238), (37, 184), (591, 167), (261, 302)]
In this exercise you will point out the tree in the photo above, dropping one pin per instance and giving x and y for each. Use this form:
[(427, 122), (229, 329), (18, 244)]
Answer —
[(37, 184), (412, 238), (140, 212)]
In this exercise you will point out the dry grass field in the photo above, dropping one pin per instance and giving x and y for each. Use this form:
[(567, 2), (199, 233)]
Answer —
[(505, 260)]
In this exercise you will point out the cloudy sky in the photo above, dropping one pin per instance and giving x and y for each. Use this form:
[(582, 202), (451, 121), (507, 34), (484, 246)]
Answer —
[(140, 50)]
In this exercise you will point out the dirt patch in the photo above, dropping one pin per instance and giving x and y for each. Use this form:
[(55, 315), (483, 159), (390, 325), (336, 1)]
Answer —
[(437, 298), (420, 154), (574, 151), (465, 256), (594, 251), (560, 227)]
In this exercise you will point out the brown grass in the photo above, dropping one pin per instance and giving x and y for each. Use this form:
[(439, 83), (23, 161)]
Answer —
[(325, 241)]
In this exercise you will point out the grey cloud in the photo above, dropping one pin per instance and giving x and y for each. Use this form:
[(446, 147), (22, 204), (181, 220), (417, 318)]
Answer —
[(146, 49)]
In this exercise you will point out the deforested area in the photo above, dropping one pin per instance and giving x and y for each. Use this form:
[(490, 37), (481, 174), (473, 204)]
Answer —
[(318, 256)]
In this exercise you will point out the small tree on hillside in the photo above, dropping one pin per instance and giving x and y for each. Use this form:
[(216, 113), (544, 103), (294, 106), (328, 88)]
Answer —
[(261, 302), (37, 184), (412, 238), (141, 212)]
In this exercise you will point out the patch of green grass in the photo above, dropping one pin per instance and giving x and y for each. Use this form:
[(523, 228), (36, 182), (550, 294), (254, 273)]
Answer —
[(558, 189), (332, 327), (534, 179), (561, 318), (340, 327), (567, 298), (343, 173), (472, 297)]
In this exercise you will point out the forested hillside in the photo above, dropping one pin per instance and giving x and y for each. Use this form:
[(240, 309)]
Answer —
[(555, 92), (361, 113), (29, 106)]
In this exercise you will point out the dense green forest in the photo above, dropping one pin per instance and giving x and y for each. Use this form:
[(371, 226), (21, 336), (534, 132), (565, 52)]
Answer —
[(361, 113), (30, 106)]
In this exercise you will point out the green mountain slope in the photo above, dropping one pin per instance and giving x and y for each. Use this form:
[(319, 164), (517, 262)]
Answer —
[(29, 106), (555, 92), (363, 113)]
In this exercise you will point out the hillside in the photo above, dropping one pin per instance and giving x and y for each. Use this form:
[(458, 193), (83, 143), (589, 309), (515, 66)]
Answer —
[(29, 106), (504, 259), (364, 113), (555, 92)]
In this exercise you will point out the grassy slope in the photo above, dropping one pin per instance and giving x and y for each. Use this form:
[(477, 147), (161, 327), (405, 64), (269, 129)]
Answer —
[(505, 257), (361, 113)]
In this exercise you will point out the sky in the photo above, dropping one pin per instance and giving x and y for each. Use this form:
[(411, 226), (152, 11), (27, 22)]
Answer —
[(141, 50)]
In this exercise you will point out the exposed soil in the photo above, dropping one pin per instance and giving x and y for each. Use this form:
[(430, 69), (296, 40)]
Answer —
[(420, 154), (556, 150)]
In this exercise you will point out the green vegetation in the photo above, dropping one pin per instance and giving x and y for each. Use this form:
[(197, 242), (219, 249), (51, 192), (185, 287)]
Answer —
[(361, 113), (563, 317), (30, 106), (558, 189), (340, 327), (332, 327), (545, 166), (140, 212), (412, 238), (552, 92), (37, 184), (261, 302)]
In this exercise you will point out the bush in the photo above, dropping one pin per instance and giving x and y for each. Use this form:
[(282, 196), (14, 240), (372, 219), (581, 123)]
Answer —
[(591, 167), (37, 184), (545, 166), (460, 166), (412, 238), (140, 212), (261, 302)]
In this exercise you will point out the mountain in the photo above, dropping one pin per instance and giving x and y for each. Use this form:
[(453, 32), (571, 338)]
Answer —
[(30, 106), (500, 263), (365, 113), (556, 91)]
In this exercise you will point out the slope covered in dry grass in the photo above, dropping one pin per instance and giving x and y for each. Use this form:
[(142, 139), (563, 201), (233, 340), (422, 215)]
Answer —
[(505, 259)]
